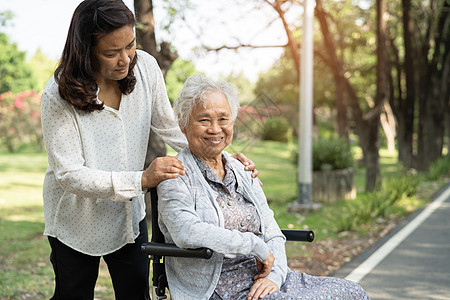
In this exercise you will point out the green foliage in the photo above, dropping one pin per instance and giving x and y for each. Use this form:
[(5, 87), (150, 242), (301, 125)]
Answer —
[(15, 73), (277, 129), (177, 75), (353, 29), (280, 81), (5, 16), (20, 120), (42, 68), (330, 153), (243, 84), (379, 204), (174, 10), (439, 168)]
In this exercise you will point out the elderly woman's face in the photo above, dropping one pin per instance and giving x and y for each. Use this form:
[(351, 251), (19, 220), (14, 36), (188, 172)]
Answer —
[(210, 127)]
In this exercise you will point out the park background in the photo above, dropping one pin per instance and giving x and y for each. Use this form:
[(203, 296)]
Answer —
[(381, 110)]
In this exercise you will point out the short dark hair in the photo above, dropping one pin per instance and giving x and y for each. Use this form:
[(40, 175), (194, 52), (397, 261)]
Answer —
[(76, 71)]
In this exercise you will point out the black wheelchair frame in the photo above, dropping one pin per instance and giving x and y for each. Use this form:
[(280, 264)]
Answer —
[(157, 249)]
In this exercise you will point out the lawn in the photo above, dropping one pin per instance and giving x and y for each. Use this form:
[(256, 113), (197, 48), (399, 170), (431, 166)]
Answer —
[(24, 251)]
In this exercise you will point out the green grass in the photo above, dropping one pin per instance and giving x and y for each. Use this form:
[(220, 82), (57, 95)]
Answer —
[(26, 272), (278, 174)]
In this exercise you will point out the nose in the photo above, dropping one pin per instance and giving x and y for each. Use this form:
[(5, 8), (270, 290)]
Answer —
[(124, 58), (214, 127)]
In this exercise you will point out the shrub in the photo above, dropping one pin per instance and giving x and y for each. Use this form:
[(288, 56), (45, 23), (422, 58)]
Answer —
[(277, 129), (20, 120), (439, 168), (374, 205), (330, 154)]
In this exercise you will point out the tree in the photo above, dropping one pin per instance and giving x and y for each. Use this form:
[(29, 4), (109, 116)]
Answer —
[(365, 116), (15, 73), (177, 75), (434, 91), (366, 124), (405, 107), (245, 87), (146, 38), (42, 68), (164, 55), (421, 105)]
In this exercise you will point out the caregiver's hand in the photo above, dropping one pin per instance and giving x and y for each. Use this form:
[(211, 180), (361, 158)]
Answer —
[(160, 169)]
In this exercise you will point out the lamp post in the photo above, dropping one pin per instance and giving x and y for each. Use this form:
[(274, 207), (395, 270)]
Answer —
[(304, 178)]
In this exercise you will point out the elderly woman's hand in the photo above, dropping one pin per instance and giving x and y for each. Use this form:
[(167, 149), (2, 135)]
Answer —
[(249, 165), (261, 288), (160, 169), (264, 267)]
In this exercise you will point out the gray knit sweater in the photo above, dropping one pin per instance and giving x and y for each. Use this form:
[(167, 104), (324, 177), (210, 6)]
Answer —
[(190, 217)]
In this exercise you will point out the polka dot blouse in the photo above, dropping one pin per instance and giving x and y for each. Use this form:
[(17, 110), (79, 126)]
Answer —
[(93, 199)]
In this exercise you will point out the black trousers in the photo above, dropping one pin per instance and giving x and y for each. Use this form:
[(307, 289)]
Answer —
[(76, 273)]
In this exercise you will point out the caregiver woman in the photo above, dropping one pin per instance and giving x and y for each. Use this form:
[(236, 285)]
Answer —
[(97, 113)]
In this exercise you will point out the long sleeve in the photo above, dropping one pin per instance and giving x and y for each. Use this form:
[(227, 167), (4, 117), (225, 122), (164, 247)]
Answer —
[(190, 217), (194, 224), (64, 145), (93, 199), (163, 119)]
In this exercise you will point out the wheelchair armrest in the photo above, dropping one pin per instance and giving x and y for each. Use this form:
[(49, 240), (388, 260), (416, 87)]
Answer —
[(162, 249), (298, 235)]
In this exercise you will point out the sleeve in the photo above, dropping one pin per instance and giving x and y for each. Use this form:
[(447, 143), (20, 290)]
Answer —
[(163, 118), (273, 237), (179, 218), (65, 157)]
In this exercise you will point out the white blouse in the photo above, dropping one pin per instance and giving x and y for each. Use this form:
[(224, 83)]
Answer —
[(93, 199)]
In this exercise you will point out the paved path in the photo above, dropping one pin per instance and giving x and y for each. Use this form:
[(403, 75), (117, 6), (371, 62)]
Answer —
[(413, 261)]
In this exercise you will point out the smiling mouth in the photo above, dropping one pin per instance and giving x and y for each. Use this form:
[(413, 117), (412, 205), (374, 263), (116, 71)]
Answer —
[(214, 140)]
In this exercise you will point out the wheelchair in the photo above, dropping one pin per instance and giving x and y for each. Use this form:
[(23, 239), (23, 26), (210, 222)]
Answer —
[(157, 249)]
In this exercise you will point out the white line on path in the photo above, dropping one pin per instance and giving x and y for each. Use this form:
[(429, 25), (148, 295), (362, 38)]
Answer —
[(372, 261)]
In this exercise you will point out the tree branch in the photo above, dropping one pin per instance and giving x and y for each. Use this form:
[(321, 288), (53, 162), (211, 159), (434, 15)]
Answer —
[(243, 46)]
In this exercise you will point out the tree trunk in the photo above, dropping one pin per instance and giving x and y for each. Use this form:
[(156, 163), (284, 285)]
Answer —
[(405, 137), (292, 43), (341, 109), (366, 126), (433, 98), (146, 38), (387, 121), (372, 159)]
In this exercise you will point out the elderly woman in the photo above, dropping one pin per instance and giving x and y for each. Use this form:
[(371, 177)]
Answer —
[(217, 205)]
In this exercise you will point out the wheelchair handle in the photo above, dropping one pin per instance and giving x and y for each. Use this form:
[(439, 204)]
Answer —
[(161, 249), (298, 235)]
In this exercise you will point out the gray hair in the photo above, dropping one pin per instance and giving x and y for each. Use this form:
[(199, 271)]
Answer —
[(193, 92)]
